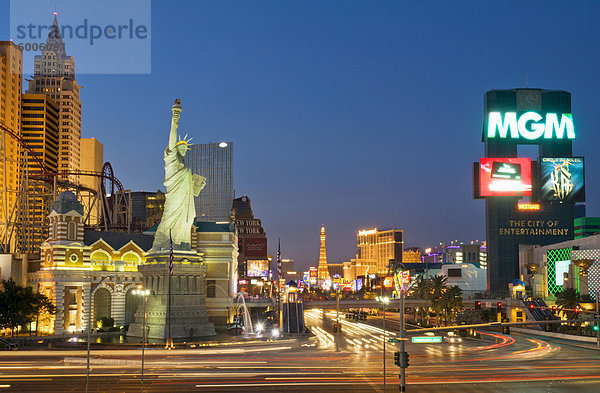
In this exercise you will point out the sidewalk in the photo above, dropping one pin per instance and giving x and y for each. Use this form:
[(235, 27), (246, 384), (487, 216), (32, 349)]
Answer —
[(568, 339)]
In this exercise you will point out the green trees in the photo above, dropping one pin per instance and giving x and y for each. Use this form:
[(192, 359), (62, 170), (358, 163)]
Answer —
[(20, 306), (422, 290), (444, 300), (438, 285), (567, 300), (450, 303)]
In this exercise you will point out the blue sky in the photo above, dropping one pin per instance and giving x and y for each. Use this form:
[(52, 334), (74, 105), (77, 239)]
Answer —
[(353, 114)]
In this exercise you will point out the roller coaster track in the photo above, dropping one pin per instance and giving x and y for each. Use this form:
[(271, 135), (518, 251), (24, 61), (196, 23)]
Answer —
[(113, 200)]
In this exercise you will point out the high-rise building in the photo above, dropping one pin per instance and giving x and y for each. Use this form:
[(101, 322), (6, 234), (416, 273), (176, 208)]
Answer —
[(40, 132), (411, 255), (54, 75), (548, 216), (586, 226), (253, 261), (377, 249), (146, 209), (322, 270), (39, 128), (11, 77), (92, 160), (215, 162)]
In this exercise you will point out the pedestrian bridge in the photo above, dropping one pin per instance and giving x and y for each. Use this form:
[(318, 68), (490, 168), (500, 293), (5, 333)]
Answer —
[(394, 303), (360, 303)]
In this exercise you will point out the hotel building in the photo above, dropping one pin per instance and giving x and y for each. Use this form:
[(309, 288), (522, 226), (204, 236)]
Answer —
[(215, 162), (39, 127), (54, 75), (376, 248)]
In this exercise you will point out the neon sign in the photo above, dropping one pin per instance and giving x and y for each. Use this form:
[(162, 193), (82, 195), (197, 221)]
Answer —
[(366, 232), (530, 126), (528, 206)]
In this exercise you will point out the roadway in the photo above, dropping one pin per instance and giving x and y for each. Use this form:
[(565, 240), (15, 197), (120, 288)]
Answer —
[(349, 362)]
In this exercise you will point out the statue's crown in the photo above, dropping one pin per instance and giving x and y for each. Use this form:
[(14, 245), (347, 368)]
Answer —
[(184, 141)]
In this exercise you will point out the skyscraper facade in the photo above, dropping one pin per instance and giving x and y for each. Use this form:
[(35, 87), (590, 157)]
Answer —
[(92, 160), (11, 77), (54, 75), (377, 249), (215, 162), (253, 261), (39, 129), (40, 132)]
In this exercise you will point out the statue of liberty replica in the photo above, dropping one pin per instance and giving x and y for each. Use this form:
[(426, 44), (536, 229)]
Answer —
[(173, 271), (182, 187)]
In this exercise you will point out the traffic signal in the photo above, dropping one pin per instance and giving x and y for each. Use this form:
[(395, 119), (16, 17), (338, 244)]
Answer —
[(404, 359), (335, 328), (553, 309), (478, 305), (576, 310), (595, 328), (397, 358), (531, 306), (499, 307)]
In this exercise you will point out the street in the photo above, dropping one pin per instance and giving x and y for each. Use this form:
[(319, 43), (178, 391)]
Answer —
[(350, 363)]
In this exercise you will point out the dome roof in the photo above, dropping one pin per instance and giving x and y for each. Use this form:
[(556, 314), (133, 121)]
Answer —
[(65, 202), (66, 196)]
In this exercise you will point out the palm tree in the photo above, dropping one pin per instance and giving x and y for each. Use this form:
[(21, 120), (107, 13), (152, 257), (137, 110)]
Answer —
[(438, 286), (422, 290), (451, 302), (567, 301)]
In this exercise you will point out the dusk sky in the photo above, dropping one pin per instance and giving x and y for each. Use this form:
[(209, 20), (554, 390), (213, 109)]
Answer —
[(353, 114)]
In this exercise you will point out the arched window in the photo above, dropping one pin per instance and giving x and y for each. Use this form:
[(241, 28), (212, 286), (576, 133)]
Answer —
[(55, 230), (100, 256), (131, 256), (72, 231)]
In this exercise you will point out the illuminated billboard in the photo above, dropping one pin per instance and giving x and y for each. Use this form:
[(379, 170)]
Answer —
[(388, 282), (562, 179), (254, 247), (505, 177), (258, 268), (313, 275)]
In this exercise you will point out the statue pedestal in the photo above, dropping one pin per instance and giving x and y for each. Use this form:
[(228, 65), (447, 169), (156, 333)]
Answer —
[(189, 318)]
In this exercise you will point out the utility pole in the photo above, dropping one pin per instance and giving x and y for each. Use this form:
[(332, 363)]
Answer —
[(384, 340), (337, 319), (402, 344)]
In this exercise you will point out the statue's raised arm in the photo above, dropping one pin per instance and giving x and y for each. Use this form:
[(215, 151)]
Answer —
[(174, 124)]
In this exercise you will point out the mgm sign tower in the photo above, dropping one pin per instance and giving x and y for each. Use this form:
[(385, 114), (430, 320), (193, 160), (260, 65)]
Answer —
[(526, 201)]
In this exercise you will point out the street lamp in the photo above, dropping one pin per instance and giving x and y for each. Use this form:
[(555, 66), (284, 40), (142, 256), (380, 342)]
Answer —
[(385, 301), (145, 293), (87, 369)]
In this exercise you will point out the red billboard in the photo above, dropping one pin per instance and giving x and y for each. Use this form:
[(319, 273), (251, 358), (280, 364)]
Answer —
[(505, 177), (254, 247)]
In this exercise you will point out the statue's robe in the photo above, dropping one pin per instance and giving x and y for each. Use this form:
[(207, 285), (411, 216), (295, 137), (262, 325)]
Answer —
[(179, 211)]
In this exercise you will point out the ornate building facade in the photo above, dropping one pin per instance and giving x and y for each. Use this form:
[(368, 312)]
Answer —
[(73, 261)]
